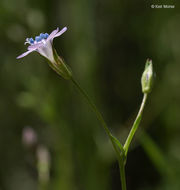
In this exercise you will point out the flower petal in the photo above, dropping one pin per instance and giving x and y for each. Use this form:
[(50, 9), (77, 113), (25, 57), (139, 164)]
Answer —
[(53, 33), (61, 32), (35, 46), (47, 51), (24, 54)]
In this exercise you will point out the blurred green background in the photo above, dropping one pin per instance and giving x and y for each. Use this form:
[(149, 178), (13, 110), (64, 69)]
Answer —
[(106, 45)]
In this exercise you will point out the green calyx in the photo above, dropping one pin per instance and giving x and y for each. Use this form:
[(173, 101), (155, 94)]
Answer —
[(60, 67)]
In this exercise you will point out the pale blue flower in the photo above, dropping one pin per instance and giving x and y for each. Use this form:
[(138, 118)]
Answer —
[(43, 44)]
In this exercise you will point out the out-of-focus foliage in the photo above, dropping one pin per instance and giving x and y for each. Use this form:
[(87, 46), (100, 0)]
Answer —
[(106, 45)]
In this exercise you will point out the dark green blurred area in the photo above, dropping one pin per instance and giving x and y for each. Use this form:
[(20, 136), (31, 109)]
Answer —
[(106, 45)]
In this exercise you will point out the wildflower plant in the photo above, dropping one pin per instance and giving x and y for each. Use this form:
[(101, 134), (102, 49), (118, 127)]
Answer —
[(43, 44)]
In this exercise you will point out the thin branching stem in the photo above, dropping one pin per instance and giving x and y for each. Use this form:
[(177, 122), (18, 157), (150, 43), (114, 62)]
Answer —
[(98, 115)]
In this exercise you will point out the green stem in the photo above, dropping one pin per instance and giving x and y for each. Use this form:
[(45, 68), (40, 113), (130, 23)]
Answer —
[(120, 154), (122, 175), (98, 115), (135, 125)]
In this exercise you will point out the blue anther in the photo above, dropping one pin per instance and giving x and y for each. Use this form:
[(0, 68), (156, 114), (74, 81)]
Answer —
[(38, 38), (31, 41), (42, 36), (46, 35)]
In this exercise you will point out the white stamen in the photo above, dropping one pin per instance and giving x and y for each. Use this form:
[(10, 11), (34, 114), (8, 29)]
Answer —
[(27, 43)]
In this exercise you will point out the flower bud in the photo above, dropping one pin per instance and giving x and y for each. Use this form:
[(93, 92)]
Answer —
[(60, 67), (147, 77)]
